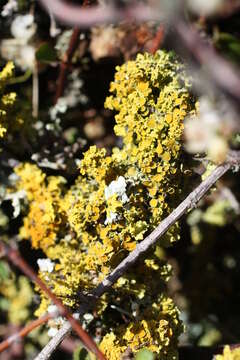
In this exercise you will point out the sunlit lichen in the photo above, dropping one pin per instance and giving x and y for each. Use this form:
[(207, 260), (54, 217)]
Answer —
[(44, 216), (7, 100), (156, 329), (113, 204)]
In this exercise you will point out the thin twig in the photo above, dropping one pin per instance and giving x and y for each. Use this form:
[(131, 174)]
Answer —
[(35, 91), (66, 62), (53, 344), (14, 256), (23, 332), (73, 43), (189, 203)]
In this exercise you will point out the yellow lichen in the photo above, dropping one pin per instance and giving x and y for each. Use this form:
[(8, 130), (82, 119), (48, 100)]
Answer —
[(7, 100), (156, 330), (44, 216), (114, 203)]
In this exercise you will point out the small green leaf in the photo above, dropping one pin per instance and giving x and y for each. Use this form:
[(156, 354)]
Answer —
[(45, 53), (145, 354)]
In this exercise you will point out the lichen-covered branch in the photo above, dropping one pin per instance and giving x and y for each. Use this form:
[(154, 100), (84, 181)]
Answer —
[(189, 203)]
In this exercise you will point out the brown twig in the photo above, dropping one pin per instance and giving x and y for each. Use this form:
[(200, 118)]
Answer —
[(14, 256), (66, 61), (189, 203), (23, 332)]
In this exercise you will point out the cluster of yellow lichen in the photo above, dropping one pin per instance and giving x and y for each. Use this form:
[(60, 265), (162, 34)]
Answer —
[(87, 230), (7, 100), (44, 196), (157, 327)]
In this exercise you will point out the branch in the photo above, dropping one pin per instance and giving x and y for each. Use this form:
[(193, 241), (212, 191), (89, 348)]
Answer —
[(23, 332), (84, 18), (73, 43), (53, 344), (14, 256), (233, 161), (65, 63)]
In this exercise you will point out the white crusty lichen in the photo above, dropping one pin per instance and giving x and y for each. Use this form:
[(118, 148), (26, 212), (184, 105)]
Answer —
[(45, 265)]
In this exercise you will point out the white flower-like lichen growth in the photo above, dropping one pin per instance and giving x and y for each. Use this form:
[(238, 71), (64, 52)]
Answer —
[(117, 187), (52, 332), (9, 8), (63, 42), (72, 96), (15, 199), (111, 218), (23, 27), (19, 49), (45, 265), (55, 323), (59, 107)]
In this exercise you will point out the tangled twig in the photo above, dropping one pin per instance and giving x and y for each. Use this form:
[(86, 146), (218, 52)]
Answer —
[(14, 256)]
